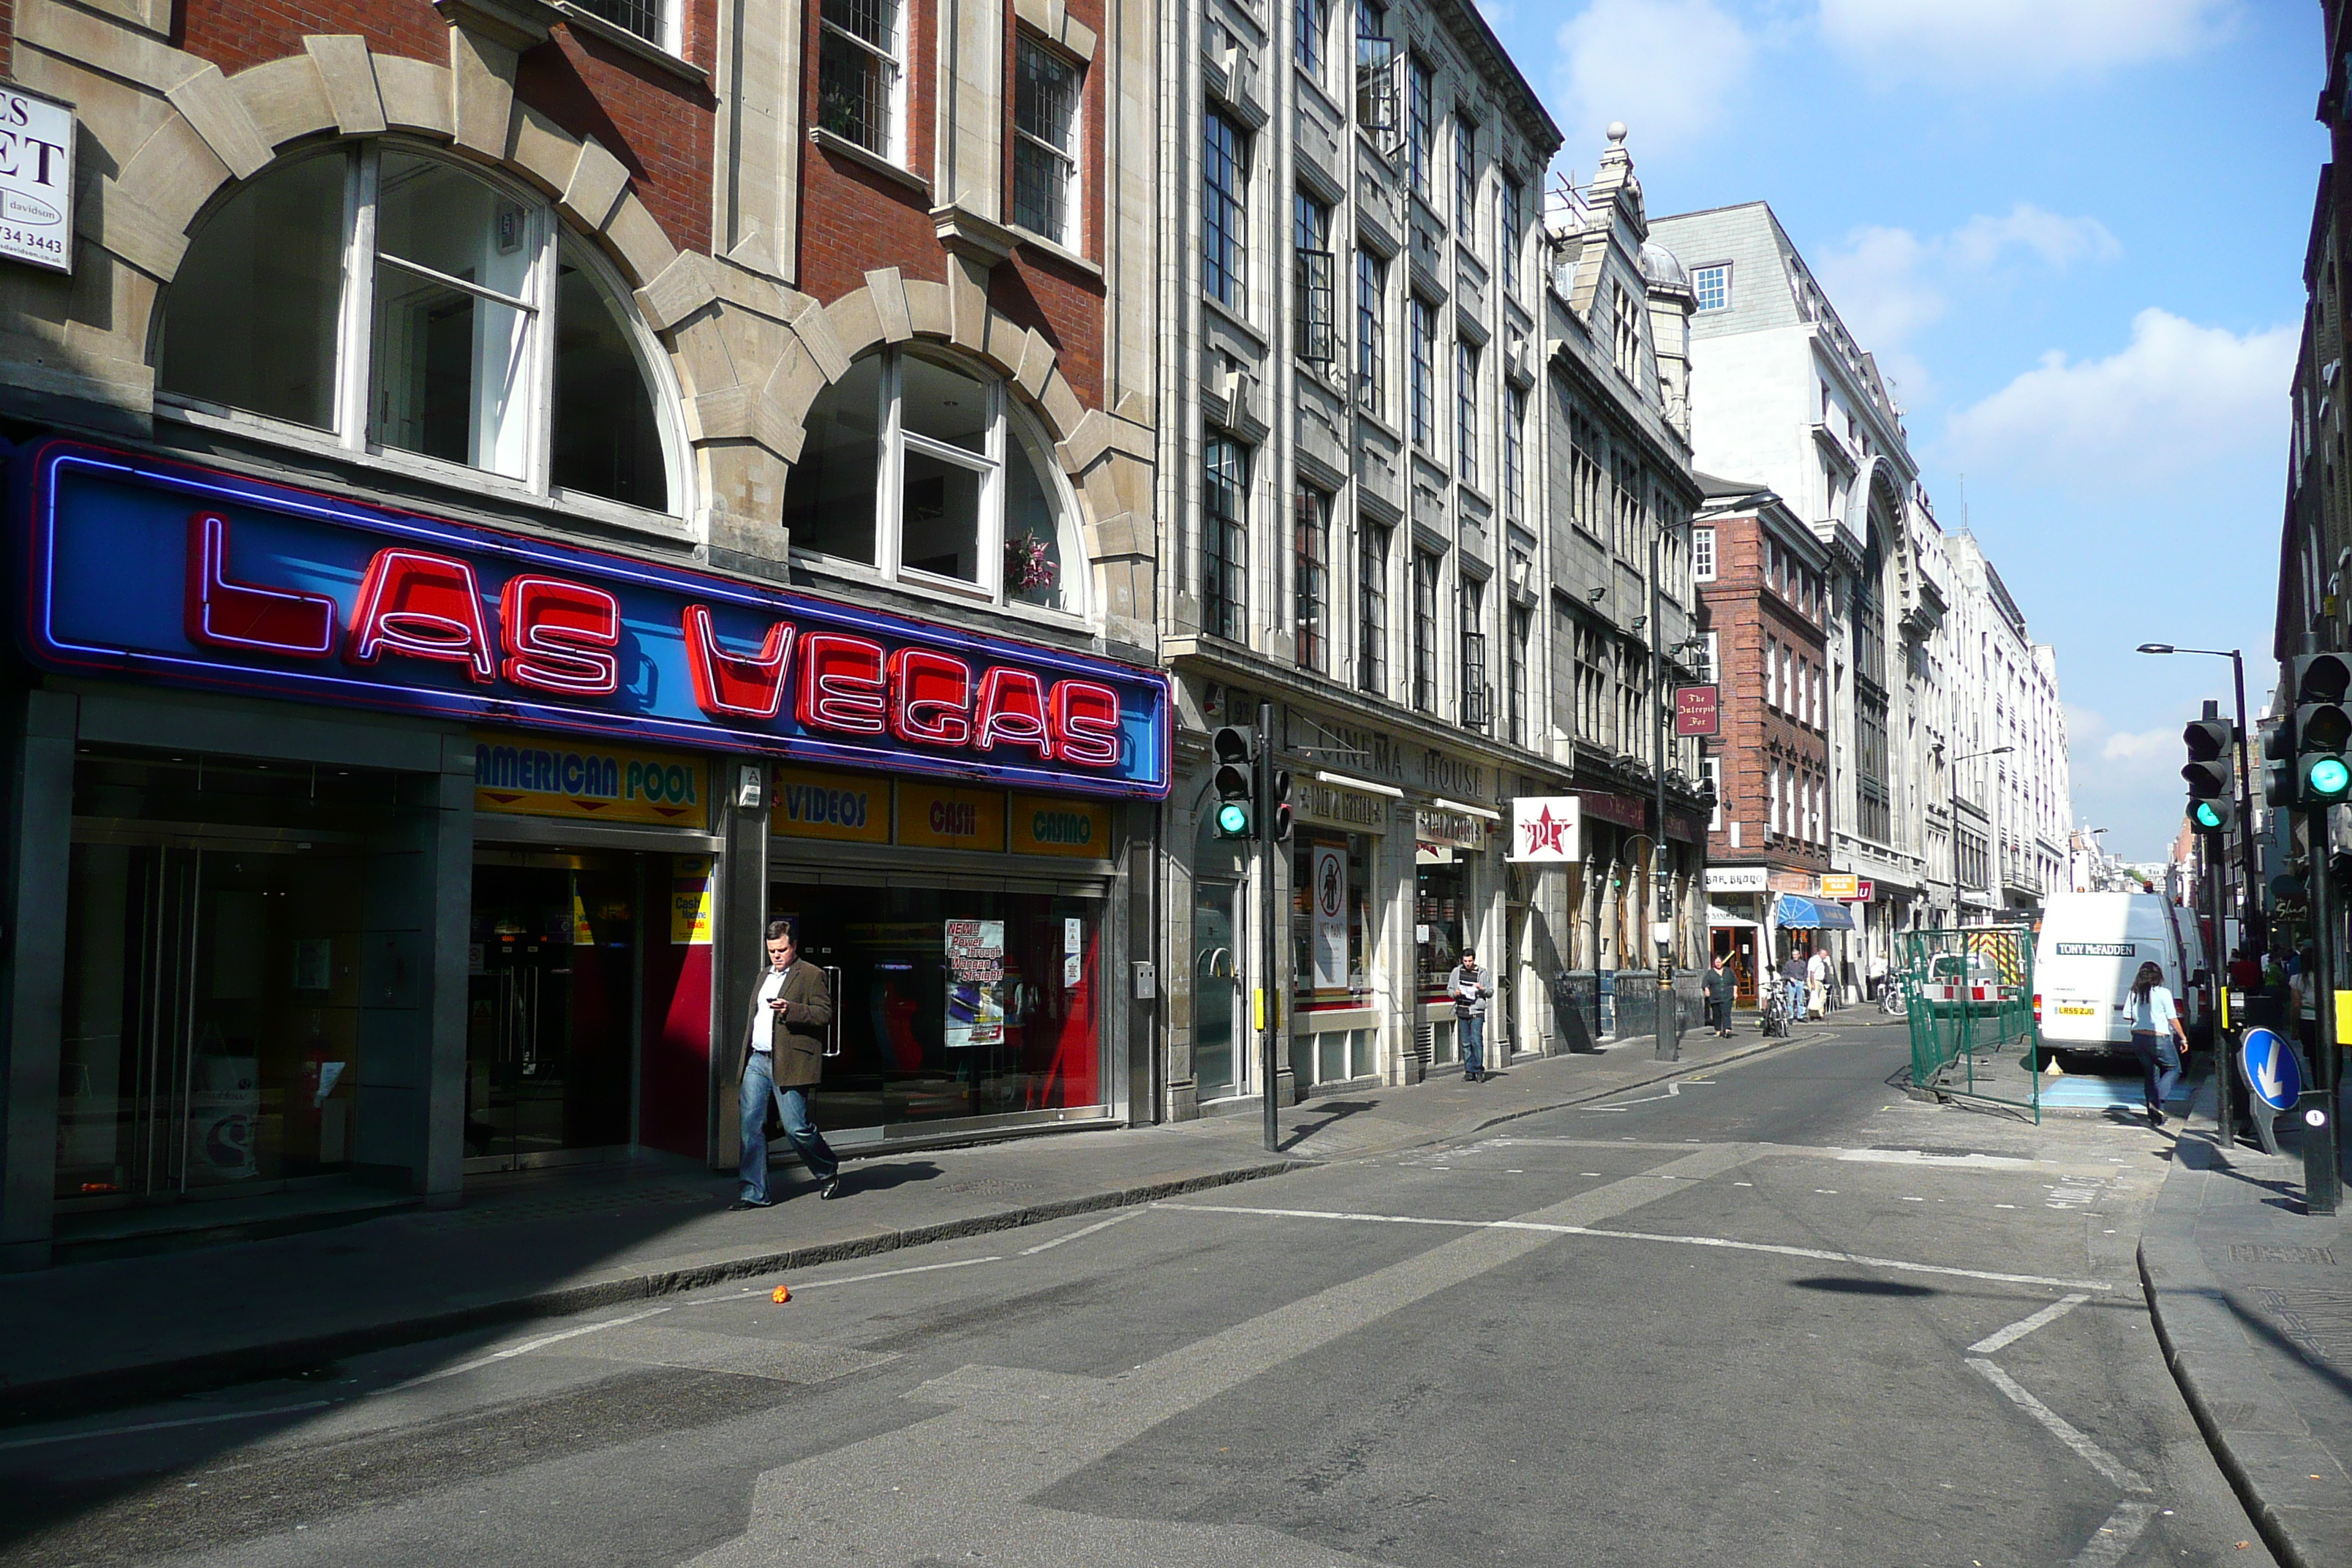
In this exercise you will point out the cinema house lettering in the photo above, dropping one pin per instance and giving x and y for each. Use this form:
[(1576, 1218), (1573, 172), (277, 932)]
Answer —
[(202, 579)]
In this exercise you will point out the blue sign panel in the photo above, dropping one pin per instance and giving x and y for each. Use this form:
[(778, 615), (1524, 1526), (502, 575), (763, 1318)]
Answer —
[(143, 567), (2272, 1068)]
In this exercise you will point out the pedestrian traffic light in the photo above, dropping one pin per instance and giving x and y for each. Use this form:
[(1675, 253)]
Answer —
[(1278, 804), (2212, 771), (1235, 781), (2323, 730)]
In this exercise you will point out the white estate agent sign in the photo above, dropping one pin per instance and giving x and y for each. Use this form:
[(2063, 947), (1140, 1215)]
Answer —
[(36, 144)]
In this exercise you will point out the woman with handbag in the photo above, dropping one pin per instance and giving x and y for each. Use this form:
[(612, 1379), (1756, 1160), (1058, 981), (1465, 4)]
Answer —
[(2155, 1026)]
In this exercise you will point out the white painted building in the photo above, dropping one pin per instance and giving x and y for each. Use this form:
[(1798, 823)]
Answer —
[(2014, 806)]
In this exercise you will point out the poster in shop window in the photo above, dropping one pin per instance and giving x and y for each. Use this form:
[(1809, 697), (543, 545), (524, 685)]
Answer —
[(975, 953), (1330, 895)]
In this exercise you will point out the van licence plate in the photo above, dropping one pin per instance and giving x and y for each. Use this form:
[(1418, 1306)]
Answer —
[(2078, 1011)]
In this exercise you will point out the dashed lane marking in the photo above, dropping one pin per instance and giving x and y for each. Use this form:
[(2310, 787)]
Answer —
[(1090, 1230)]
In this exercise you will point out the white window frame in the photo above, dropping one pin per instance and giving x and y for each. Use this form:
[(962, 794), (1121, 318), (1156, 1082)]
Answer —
[(1073, 161), (1006, 430), (1710, 772), (1702, 555), (895, 57), (1712, 676), (353, 437), (1698, 286)]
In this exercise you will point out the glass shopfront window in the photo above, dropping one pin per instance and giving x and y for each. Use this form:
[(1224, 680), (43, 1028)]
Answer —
[(227, 924), (1330, 920), (1440, 908), (953, 1005)]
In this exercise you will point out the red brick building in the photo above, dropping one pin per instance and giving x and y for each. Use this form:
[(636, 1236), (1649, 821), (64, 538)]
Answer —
[(742, 415), (1765, 586)]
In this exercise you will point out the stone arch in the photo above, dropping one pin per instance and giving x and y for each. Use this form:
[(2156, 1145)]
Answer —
[(225, 130)]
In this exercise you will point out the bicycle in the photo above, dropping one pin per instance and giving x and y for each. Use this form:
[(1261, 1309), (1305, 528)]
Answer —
[(1775, 1020), (1890, 999)]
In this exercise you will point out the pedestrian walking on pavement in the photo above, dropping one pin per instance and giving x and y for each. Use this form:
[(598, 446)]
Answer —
[(1793, 981), (1817, 982), (1722, 985), (784, 1059), (2156, 1026), (1470, 985)]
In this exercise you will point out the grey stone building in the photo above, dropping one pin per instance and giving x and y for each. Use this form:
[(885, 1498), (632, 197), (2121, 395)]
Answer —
[(1369, 371)]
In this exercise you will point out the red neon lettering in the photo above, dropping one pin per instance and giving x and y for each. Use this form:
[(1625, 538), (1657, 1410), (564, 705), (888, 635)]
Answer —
[(425, 606), (840, 684), (558, 636), (227, 614), (1085, 723), (931, 698), (740, 686), (1013, 711)]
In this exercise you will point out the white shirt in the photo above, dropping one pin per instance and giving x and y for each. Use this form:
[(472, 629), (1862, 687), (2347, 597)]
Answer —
[(764, 1020), (2154, 1013)]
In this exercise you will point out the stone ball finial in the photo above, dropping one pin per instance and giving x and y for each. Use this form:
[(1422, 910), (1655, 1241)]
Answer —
[(1617, 131)]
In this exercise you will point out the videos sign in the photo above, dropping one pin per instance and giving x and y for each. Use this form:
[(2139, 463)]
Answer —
[(148, 568)]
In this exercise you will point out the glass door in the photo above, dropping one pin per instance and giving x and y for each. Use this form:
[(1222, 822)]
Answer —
[(551, 1013), (1220, 1056)]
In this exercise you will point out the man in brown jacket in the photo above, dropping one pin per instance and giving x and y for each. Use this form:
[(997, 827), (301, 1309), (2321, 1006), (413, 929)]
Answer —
[(784, 1057)]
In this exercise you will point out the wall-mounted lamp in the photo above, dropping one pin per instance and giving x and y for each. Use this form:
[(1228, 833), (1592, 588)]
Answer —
[(1597, 594)]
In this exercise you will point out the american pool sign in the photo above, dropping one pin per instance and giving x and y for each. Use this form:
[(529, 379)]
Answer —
[(143, 567)]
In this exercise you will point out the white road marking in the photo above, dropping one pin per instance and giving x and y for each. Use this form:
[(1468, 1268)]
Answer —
[(2121, 1475), (523, 1349), (1819, 1253), (1950, 1161), (1090, 1230), (162, 1425), (1673, 1091), (894, 1273), (2114, 1539), (2024, 1326)]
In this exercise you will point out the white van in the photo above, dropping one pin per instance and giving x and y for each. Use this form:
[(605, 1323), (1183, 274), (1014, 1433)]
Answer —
[(2090, 947)]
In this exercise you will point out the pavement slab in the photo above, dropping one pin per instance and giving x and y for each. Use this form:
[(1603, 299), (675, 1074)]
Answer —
[(2253, 1302)]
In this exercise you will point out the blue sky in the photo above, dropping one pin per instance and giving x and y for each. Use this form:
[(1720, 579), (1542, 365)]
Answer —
[(2073, 231)]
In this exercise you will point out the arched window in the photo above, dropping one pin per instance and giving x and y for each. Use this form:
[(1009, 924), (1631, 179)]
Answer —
[(927, 473), (404, 304)]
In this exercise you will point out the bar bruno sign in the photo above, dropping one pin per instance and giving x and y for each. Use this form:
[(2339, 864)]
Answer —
[(138, 566)]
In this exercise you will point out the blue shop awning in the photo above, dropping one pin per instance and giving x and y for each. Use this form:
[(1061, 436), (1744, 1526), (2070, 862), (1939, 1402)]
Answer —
[(1793, 914)]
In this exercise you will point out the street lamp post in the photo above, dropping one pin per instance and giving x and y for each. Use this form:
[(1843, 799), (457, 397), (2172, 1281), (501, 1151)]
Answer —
[(2245, 779), (2224, 1111), (1952, 797)]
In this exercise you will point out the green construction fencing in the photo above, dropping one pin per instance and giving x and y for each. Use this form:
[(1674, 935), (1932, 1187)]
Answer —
[(1968, 996)]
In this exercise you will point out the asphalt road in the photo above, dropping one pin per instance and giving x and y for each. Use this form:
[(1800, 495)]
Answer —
[(1781, 1315)]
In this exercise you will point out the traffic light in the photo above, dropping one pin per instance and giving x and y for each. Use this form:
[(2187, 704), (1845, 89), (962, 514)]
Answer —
[(2211, 772), (2278, 763), (2323, 730), (1278, 804), (2213, 815), (1237, 782)]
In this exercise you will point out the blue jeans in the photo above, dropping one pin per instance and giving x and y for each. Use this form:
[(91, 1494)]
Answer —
[(1472, 1029), (792, 1104), (1795, 991), (2159, 1065)]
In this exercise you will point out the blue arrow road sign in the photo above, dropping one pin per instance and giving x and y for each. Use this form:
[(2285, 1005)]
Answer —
[(2272, 1068)]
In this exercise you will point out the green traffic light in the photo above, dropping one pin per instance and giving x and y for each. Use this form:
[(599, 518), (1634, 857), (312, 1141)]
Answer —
[(1232, 819), (2329, 777), (2207, 816)]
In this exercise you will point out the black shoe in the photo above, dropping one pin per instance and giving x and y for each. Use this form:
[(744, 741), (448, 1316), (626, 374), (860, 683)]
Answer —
[(831, 1188), (752, 1203), (2155, 1117)]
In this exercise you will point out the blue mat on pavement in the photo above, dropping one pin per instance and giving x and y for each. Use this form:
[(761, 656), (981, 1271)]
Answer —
[(2100, 1091)]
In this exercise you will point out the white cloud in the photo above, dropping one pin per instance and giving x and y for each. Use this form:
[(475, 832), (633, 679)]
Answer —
[(2176, 398), (2147, 746), (1887, 283), (1666, 67), (2008, 40)]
